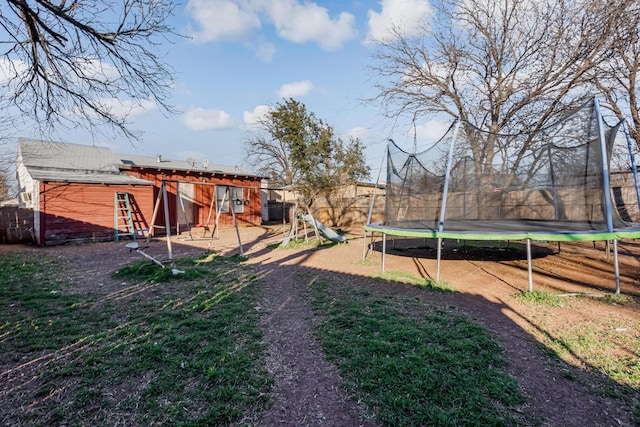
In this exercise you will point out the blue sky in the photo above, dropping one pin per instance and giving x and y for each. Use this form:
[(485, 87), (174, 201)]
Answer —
[(243, 56)]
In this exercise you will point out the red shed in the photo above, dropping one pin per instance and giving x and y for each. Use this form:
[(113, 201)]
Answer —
[(88, 193)]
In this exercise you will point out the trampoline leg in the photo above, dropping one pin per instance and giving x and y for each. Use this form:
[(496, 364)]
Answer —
[(384, 248), (364, 246), (529, 265), (439, 251), (617, 266)]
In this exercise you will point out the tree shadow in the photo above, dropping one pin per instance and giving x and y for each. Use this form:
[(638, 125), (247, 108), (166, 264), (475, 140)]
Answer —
[(556, 390)]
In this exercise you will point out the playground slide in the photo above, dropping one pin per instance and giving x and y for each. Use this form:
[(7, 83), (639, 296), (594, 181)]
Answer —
[(326, 232)]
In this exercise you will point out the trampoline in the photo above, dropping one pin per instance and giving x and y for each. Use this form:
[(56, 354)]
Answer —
[(554, 184)]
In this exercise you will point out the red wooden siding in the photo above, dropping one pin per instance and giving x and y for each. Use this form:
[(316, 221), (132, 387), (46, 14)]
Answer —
[(85, 212)]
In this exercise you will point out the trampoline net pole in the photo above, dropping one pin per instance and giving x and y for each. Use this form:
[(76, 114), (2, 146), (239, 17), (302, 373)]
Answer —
[(616, 265), (447, 177), (605, 167), (632, 157)]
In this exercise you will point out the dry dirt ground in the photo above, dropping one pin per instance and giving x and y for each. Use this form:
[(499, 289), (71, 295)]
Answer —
[(307, 388)]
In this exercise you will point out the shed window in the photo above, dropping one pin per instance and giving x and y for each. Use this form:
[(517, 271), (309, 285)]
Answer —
[(235, 197)]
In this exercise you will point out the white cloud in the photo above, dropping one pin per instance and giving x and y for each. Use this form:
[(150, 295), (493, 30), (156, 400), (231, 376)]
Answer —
[(222, 19), (95, 68), (10, 69), (265, 51), (295, 89), (295, 21), (129, 108), (253, 118), (119, 108), (308, 22), (406, 16), (206, 119), (358, 132), (90, 68), (431, 131)]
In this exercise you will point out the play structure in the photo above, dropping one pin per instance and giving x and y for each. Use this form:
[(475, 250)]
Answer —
[(551, 185), (318, 227), (222, 201)]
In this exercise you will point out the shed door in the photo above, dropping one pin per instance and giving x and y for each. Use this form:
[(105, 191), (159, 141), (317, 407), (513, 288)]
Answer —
[(185, 205)]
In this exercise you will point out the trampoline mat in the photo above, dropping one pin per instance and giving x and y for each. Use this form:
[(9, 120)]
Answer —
[(509, 229)]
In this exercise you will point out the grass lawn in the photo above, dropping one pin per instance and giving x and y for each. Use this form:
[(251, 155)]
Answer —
[(187, 350), (414, 364), (181, 350)]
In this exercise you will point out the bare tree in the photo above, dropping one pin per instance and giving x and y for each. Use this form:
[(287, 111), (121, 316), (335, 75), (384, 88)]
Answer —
[(83, 62), (498, 65), (618, 77), (508, 66)]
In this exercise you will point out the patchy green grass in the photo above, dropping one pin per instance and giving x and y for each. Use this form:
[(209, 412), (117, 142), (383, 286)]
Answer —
[(413, 364), (606, 345), (616, 299), (541, 298), (187, 349), (609, 346), (166, 350), (411, 279), (369, 261), (300, 244)]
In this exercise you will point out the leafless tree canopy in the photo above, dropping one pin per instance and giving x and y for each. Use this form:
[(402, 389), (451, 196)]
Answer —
[(501, 65), (510, 67), (269, 156), (617, 78), (83, 62)]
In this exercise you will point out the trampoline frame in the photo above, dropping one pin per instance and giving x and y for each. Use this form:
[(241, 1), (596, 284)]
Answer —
[(527, 236), (571, 234)]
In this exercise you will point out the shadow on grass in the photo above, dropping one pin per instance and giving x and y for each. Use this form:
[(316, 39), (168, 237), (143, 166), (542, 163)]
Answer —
[(189, 350)]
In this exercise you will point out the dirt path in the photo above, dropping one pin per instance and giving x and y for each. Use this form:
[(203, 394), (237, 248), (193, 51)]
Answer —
[(307, 388)]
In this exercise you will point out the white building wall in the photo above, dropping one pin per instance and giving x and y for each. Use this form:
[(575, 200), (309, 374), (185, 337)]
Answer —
[(27, 187)]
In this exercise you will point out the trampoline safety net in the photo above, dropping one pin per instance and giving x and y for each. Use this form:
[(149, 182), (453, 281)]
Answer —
[(554, 180)]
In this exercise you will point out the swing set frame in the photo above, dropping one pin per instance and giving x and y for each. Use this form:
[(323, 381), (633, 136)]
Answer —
[(163, 198)]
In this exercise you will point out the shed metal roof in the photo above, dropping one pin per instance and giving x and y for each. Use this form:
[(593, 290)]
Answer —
[(87, 178), (61, 156), (48, 160), (160, 163)]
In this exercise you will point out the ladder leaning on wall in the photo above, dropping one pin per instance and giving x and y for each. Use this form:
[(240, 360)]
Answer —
[(122, 218)]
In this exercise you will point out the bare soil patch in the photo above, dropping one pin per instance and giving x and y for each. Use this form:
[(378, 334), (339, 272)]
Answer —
[(486, 286)]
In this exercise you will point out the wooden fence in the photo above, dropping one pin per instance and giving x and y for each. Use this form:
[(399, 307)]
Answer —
[(16, 225), (334, 211)]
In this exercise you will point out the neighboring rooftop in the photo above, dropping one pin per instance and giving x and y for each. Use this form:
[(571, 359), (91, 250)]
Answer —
[(127, 161)]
